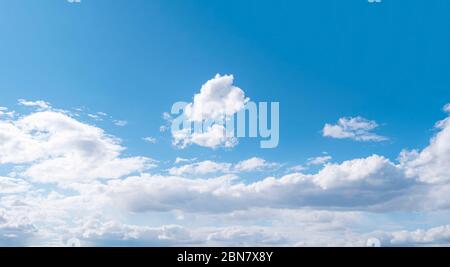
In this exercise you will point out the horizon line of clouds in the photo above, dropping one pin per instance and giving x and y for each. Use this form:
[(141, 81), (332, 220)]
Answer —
[(57, 149)]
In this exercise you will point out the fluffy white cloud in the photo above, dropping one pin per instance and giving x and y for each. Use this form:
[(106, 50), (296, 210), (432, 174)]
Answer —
[(218, 98), (357, 128), (447, 108), (372, 172), (213, 137), (96, 231), (432, 164), (297, 168), (319, 160), (5, 113), (254, 164), (181, 160), (50, 146), (60, 148), (40, 104), (211, 167), (15, 230), (12, 186), (434, 236), (217, 101), (356, 183), (200, 168), (239, 236)]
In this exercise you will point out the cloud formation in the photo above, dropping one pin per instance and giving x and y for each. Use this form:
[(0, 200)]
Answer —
[(60, 149), (217, 101), (355, 128), (62, 173)]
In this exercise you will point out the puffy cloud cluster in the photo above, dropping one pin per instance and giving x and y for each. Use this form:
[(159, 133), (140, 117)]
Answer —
[(60, 149), (40, 104), (358, 183), (355, 128), (200, 168), (90, 175), (431, 164), (211, 167), (15, 230), (434, 236), (213, 137), (218, 100), (98, 231), (13, 186)]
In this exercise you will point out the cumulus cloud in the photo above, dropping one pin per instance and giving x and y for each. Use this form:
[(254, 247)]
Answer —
[(84, 162), (434, 236), (40, 104), (12, 185), (14, 230), (97, 231), (355, 128), (213, 137), (254, 164), (60, 148), (447, 107), (319, 160), (5, 113), (217, 101), (181, 160), (211, 167), (200, 168), (432, 164), (356, 183), (218, 98), (239, 236)]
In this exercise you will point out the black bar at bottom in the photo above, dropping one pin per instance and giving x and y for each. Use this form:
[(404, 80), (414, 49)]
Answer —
[(223, 256)]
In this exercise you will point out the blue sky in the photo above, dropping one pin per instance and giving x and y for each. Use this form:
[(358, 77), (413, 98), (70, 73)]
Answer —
[(385, 63)]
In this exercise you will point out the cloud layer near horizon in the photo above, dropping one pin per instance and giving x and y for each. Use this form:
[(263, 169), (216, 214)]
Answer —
[(68, 178)]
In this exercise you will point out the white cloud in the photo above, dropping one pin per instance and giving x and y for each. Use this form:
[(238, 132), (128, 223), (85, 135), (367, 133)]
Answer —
[(356, 183), (432, 164), (60, 148), (120, 123), (4, 112), (447, 107), (297, 168), (319, 160), (371, 172), (39, 104), (97, 231), (95, 117), (356, 128), (181, 160), (218, 98), (327, 205), (14, 230), (254, 164), (435, 236), (201, 168), (12, 185), (211, 167), (149, 139), (239, 236), (215, 136)]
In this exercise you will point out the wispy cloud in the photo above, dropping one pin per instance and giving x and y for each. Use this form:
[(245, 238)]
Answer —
[(355, 128)]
